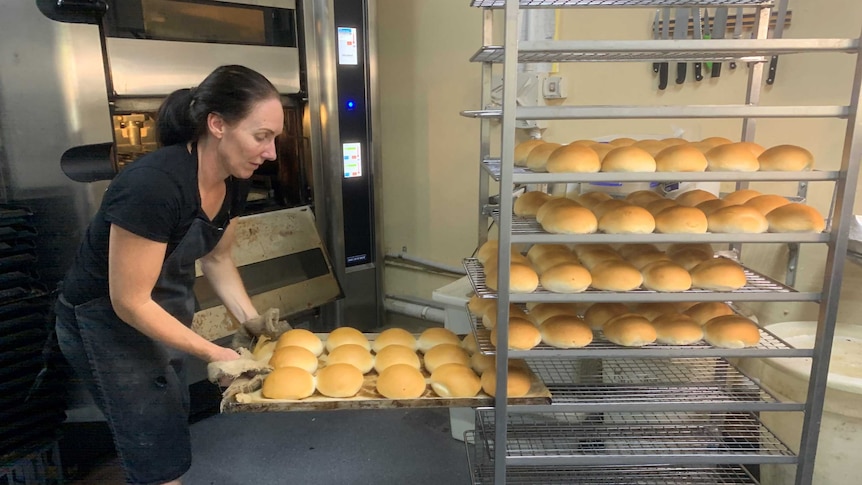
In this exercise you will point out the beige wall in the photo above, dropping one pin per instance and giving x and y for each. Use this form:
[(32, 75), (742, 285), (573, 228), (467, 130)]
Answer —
[(430, 153)]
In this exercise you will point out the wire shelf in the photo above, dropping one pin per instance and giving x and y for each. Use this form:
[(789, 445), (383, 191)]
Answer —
[(652, 385), (610, 438), (619, 112), (621, 3)]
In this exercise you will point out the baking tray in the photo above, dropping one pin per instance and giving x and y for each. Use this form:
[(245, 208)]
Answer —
[(368, 398)]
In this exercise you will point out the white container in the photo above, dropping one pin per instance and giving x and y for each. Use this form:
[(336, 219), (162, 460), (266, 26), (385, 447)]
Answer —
[(840, 444)]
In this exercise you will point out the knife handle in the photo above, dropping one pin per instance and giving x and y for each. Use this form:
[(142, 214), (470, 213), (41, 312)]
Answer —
[(698, 71), (773, 65), (662, 75), (680, 72), (716, 69)]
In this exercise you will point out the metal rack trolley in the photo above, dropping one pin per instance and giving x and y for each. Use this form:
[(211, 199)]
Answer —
[(660, 423)]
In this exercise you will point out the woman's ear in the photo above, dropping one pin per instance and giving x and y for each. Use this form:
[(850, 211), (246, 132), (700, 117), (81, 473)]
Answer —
[(215, 125)]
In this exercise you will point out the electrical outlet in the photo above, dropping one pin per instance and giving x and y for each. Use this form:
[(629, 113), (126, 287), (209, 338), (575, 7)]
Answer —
[(554, 87)]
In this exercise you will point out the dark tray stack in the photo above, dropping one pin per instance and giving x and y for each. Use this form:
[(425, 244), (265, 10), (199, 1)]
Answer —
[(29, 419)]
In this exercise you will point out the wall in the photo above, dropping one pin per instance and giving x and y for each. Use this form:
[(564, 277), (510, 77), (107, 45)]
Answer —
[(430, 152)]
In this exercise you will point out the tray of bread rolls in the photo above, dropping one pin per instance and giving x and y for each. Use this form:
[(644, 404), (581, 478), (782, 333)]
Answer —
[(348, 369)]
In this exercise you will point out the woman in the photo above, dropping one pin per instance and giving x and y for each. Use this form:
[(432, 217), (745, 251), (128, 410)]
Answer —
[(124, 316)]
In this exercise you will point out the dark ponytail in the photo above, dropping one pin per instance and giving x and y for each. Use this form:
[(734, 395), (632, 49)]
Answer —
[(230, 91)]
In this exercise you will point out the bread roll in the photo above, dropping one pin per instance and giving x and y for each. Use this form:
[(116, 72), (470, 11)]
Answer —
[(642, 198), (566, 278), (469, 343), (629, 330), (677, 329), (488, 251), (538, 250), (585, 248), (529, 203), (737, 218), (566, 332), (585, 143), (339, 380), (666, 276), (681, 220), (550, 260), (570, 220), (396, 336), (642, 260), (538, 157), (710, 206), (622, 142), (445, 354), (731, 332), (523, 149), (294, 356), (731, 158), (628, 159), (606, 206), (355, 355), (346, 335), (707, 310), (678, 247), (718, 274), (517, 382), (478, 305), (551, 205), (694, 197), (599, 313), (489, 318), (523, 335), (434, 336), (795, 218), (786, 157), (652, 310), (680, 158), (740, 196), (480, 362), (716, 141), (753, 147), (593, 258), (673, 141), (543, 311), (627, 220), (401, 381), (633, 249), (301, 338), (689, 258), (522, 278), (288, 383), (396, 354), (653, 147), (657, 206), (592, 199), (573, 158), (766, 203), (602, 149), (455, 380), (616, 276)]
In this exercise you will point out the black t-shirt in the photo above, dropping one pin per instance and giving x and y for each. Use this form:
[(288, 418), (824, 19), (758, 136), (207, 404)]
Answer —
[(158, 198)]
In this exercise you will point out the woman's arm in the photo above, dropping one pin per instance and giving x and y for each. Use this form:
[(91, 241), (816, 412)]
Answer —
[(134, 265), (220, 269)]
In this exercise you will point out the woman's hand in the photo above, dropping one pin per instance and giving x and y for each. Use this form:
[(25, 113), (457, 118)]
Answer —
[(221, 354)]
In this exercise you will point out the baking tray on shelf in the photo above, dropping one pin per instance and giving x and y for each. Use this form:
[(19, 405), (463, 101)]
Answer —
[(482, 472), (622, 3), (611, 438), (368, 398)]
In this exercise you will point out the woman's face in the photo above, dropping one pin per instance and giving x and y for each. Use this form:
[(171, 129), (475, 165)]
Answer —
[(246, 144)]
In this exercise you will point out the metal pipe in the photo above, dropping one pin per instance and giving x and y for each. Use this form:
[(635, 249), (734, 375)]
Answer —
[(424, 312), (429, 263)]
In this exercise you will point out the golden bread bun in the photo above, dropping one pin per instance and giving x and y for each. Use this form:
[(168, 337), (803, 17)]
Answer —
[(396, 354), (294, 356), (529, 203), (629, 330), (694, 197), (707, 310), (642, 198), (766, 203), (669, 142), (431, 337), (346, 335), (602, 149), (795, 218), (573, 158), (616, 276), (653, 147), (718, 274), (740, 196), (288, 383), (566, 278), (480, 362), (786, 157), (543, 311), (395, 336), (550, 260), (523, 149), (677, 329), (681, 220), (716, 141), (355, 355), (731, 158), (566, 332), (680, 158), (586, 143), (584, 248), (538, 250), (401, 381), (523, 335), (339, 380), (640, 261), (627, 220), (731, 332), (445, 354), (632, 249), (599, 313), (478, 305), (666, 276), (628, 159), (592, 199), (606, 206), (301, 338), (737, 218), (569, 220), (652, 310), (710, 206), (538, 157), (489, 318), (657, 206), (753, 147), (517, 382), (677, 247), (522, 279), (622, 142), (455, 380), (689, 258), (593, 258), (469, 343), (552, 204)]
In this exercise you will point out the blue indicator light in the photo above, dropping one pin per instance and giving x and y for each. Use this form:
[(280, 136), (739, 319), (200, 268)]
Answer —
[(351, 105)]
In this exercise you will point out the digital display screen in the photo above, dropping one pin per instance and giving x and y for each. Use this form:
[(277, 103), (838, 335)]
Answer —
[(352, 160), (347, 51)]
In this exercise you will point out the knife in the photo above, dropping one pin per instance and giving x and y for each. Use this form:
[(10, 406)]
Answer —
[(718, 29), (737, 30), (656, 36), (665, 31), (680, 31), (698, 34), (776, 34)]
